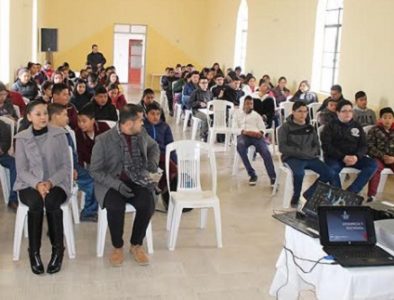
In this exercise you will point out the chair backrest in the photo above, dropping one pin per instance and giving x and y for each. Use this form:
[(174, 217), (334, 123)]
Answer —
[(219, 108), (313, 108), (189, 153), (277, 142), (18, 124), (110, 124), (367, 128), (287, 107)]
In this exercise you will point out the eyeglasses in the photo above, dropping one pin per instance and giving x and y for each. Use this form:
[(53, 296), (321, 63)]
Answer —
[(345, 111)]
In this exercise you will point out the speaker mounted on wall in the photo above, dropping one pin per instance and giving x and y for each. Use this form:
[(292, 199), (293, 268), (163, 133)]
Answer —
[(48, 39)]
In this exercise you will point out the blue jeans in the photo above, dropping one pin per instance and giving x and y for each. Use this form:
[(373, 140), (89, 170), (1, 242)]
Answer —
[(366, 165), (243, 143), (86, 184), (298, 167), (8, 162)]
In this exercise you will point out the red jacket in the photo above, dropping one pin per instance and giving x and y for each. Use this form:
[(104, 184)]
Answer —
[(119, 101), (17, 100)]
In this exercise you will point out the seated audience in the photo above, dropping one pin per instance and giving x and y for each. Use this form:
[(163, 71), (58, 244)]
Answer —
[(161, 132), (61, 95), (264, 103), (361, 113), (121, 174), (80, 96), (267, 79), (250, 87), (117, 98), (46, 94), (113, 78), (103, 108), (25, 85), (189, 87), (8, 161), (381, 147), (328, 114), (300, 149), (199, 98), (345, 145), (47, 69), (233, 92), (43, 181), (6, 107), (335, 94), (250, 128), (166, 84), (217, 69), (58, 118), (148, 97), (281, 92), (86, 133), (218, 89), (304, 94)]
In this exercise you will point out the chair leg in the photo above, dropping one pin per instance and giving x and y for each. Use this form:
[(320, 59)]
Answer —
[(236, 162), (187, 117), (170, 214), (102, 224), (149, 238), (176, 220), (382, 183), (203, 217), (288, 190), (218, 224), (68, 231), (21, 216), (74, 205)]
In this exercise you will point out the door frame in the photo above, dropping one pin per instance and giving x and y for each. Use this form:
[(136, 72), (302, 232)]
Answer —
[(136, 32)]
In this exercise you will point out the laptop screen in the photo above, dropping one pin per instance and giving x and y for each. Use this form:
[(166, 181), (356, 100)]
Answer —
[(326, 195), (346, 225)]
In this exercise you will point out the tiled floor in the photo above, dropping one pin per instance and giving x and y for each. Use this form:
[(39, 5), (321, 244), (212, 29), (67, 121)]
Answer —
[(242, 269)]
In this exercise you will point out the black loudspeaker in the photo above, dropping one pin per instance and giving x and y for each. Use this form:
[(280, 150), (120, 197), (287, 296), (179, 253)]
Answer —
[(48, 39)]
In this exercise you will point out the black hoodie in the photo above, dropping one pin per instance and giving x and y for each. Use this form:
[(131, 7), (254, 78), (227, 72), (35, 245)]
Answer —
[(79, 100), (106, 112)]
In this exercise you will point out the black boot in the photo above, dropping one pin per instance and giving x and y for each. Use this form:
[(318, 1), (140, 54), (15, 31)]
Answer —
[(34, 222), (55, 229)]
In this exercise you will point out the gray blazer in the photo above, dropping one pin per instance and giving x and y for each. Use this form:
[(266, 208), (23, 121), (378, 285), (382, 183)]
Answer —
[(29, 167), (106, 163)]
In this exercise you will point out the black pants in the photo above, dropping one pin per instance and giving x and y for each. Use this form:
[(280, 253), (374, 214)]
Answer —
[(115, 204), (32, 198)]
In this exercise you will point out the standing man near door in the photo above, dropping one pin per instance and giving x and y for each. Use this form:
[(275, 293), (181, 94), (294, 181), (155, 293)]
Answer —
[(95, 59)]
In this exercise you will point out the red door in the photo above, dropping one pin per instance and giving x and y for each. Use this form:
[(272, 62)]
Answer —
[(135, 61)]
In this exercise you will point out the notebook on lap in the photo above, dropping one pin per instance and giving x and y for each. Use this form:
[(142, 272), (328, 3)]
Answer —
[(307, 221), (348, 234)]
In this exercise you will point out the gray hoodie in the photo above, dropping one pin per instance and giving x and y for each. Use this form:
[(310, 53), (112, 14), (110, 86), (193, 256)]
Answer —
[(298, 141), (364, 116)]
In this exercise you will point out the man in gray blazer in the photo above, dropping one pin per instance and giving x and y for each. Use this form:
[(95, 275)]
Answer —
[(122, 159)]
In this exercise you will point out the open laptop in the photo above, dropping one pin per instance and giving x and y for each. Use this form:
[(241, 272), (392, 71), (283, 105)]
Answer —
[(348, 234), (306, 220)]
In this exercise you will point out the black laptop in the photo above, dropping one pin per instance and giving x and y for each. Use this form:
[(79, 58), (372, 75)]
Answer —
[(348, 234), (307, 220)]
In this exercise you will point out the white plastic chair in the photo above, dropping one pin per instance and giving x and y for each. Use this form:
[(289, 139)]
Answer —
[(20, 224), (4, 172), (287, 107), (178, 113), (313, 108), (188, 115), (189, 193), (285, 170), (220, 116), (164, 101), (195, 126), (367, 128), (26, 100), (102, 225), (383, 178)]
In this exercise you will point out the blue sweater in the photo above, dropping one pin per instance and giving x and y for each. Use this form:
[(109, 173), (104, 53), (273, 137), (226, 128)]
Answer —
[(162, 134)]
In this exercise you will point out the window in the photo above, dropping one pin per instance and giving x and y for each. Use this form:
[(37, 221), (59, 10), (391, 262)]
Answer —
[(327, 44), (241, 35), (5, 40)]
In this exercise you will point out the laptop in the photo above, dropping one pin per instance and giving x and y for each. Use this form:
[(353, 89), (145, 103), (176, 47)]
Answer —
[(306, 220), (348, 234)]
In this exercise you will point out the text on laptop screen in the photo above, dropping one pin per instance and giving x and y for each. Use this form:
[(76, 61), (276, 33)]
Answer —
[(344, 226)]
